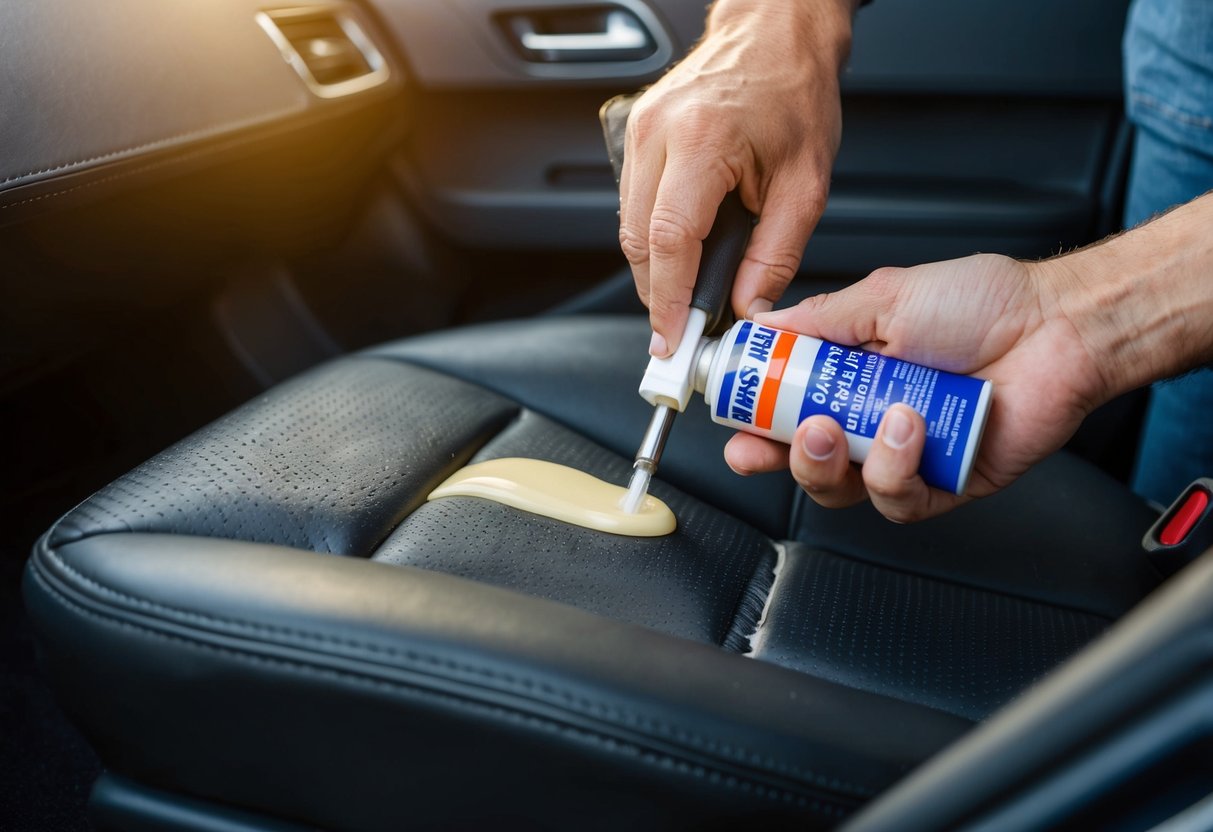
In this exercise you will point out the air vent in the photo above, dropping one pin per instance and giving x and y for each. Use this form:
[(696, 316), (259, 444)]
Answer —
[(327, 47)]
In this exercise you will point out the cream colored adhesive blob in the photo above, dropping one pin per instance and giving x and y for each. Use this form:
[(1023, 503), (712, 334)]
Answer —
[(559, 492)]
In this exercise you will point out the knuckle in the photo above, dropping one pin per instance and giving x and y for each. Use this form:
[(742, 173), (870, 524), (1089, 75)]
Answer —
[(660, 307), (884, 488), (894, 498), (884, 277), (814, 479), (804, 186), (900, 513), (670, 232), (882, 288), (662, 303), (806, 482), (697, 119), (814, 198), (666, 298), (827, 497), (814, 489), (644, 121), (714, 143), (635, 247), (814, 303), (781, 267)]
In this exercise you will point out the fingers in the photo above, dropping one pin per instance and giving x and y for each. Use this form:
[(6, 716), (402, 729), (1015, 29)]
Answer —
[(821, 466), (637, 192), (787, 220), (890, 473), (748, 454), (671, 186), (683, 213)]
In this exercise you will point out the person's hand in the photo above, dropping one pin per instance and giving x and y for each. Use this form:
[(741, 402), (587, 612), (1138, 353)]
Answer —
[(985, 315), (755, 106)]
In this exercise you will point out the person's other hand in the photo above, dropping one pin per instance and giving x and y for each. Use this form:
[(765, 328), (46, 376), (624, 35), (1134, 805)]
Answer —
[(755, 106), (985, 315)]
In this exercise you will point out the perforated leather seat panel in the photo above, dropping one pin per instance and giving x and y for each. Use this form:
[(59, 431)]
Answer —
[(329, 462), (947, 646)]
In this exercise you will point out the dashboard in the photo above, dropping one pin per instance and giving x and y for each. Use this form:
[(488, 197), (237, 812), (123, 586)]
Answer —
[(96, 94)]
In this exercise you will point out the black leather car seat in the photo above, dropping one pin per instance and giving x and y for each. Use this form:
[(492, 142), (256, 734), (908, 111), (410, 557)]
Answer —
[(268, 618)]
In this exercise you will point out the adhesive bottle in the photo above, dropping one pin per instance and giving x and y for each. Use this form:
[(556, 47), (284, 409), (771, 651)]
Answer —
[(766, 381)]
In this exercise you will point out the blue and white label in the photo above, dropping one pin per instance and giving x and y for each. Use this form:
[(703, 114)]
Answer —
[(737, 380), (767, 381), (856, 387)]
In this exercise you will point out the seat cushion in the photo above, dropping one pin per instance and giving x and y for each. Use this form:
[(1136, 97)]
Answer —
[(268, 615), (707, 582)]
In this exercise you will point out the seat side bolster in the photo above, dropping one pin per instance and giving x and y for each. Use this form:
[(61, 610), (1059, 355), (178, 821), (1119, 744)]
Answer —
[(285, 671)]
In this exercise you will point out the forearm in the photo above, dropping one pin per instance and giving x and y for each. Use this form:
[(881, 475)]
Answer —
[(1143, 302)]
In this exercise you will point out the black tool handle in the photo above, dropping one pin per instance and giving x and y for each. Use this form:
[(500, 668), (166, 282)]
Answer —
[(723, 251), (726, 243)]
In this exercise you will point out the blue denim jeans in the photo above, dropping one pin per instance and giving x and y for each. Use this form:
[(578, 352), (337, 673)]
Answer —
[(1169, 97)]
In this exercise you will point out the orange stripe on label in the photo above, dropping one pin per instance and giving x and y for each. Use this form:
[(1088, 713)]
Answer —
[(770, 387)]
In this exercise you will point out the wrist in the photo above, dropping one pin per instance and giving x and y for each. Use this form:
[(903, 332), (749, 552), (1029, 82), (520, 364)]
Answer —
[(823, 27), (1142, 302), (1072, 294)]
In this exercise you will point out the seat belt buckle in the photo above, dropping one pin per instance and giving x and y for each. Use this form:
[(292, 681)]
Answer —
[(1184, 531)]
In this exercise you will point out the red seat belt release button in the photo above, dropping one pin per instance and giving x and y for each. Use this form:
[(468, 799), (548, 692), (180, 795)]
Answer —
[(1184, 532), (1185, 518)]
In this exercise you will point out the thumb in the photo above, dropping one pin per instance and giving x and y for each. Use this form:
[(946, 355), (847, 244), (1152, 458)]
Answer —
[(857, 314)]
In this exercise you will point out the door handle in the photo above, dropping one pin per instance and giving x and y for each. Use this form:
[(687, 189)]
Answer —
[(610, 35), (622, 32)]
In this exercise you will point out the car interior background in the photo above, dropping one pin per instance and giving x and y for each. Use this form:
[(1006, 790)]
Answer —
[(202, 200)]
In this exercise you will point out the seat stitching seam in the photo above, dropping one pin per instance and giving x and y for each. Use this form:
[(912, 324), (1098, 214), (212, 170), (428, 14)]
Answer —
[(778, 571), (467, 702), (766, 597), (506, 424)]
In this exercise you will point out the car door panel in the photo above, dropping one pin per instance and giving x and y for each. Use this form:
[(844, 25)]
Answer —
[(968, 126), (463, 44)]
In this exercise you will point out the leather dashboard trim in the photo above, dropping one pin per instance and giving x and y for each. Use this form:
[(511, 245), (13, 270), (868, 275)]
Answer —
[(175, 157), (154, 144), (95, 88)]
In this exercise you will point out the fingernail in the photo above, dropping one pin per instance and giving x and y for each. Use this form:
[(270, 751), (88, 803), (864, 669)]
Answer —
[(818, 444), (897, 429), (758, 307), (658, 346)]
